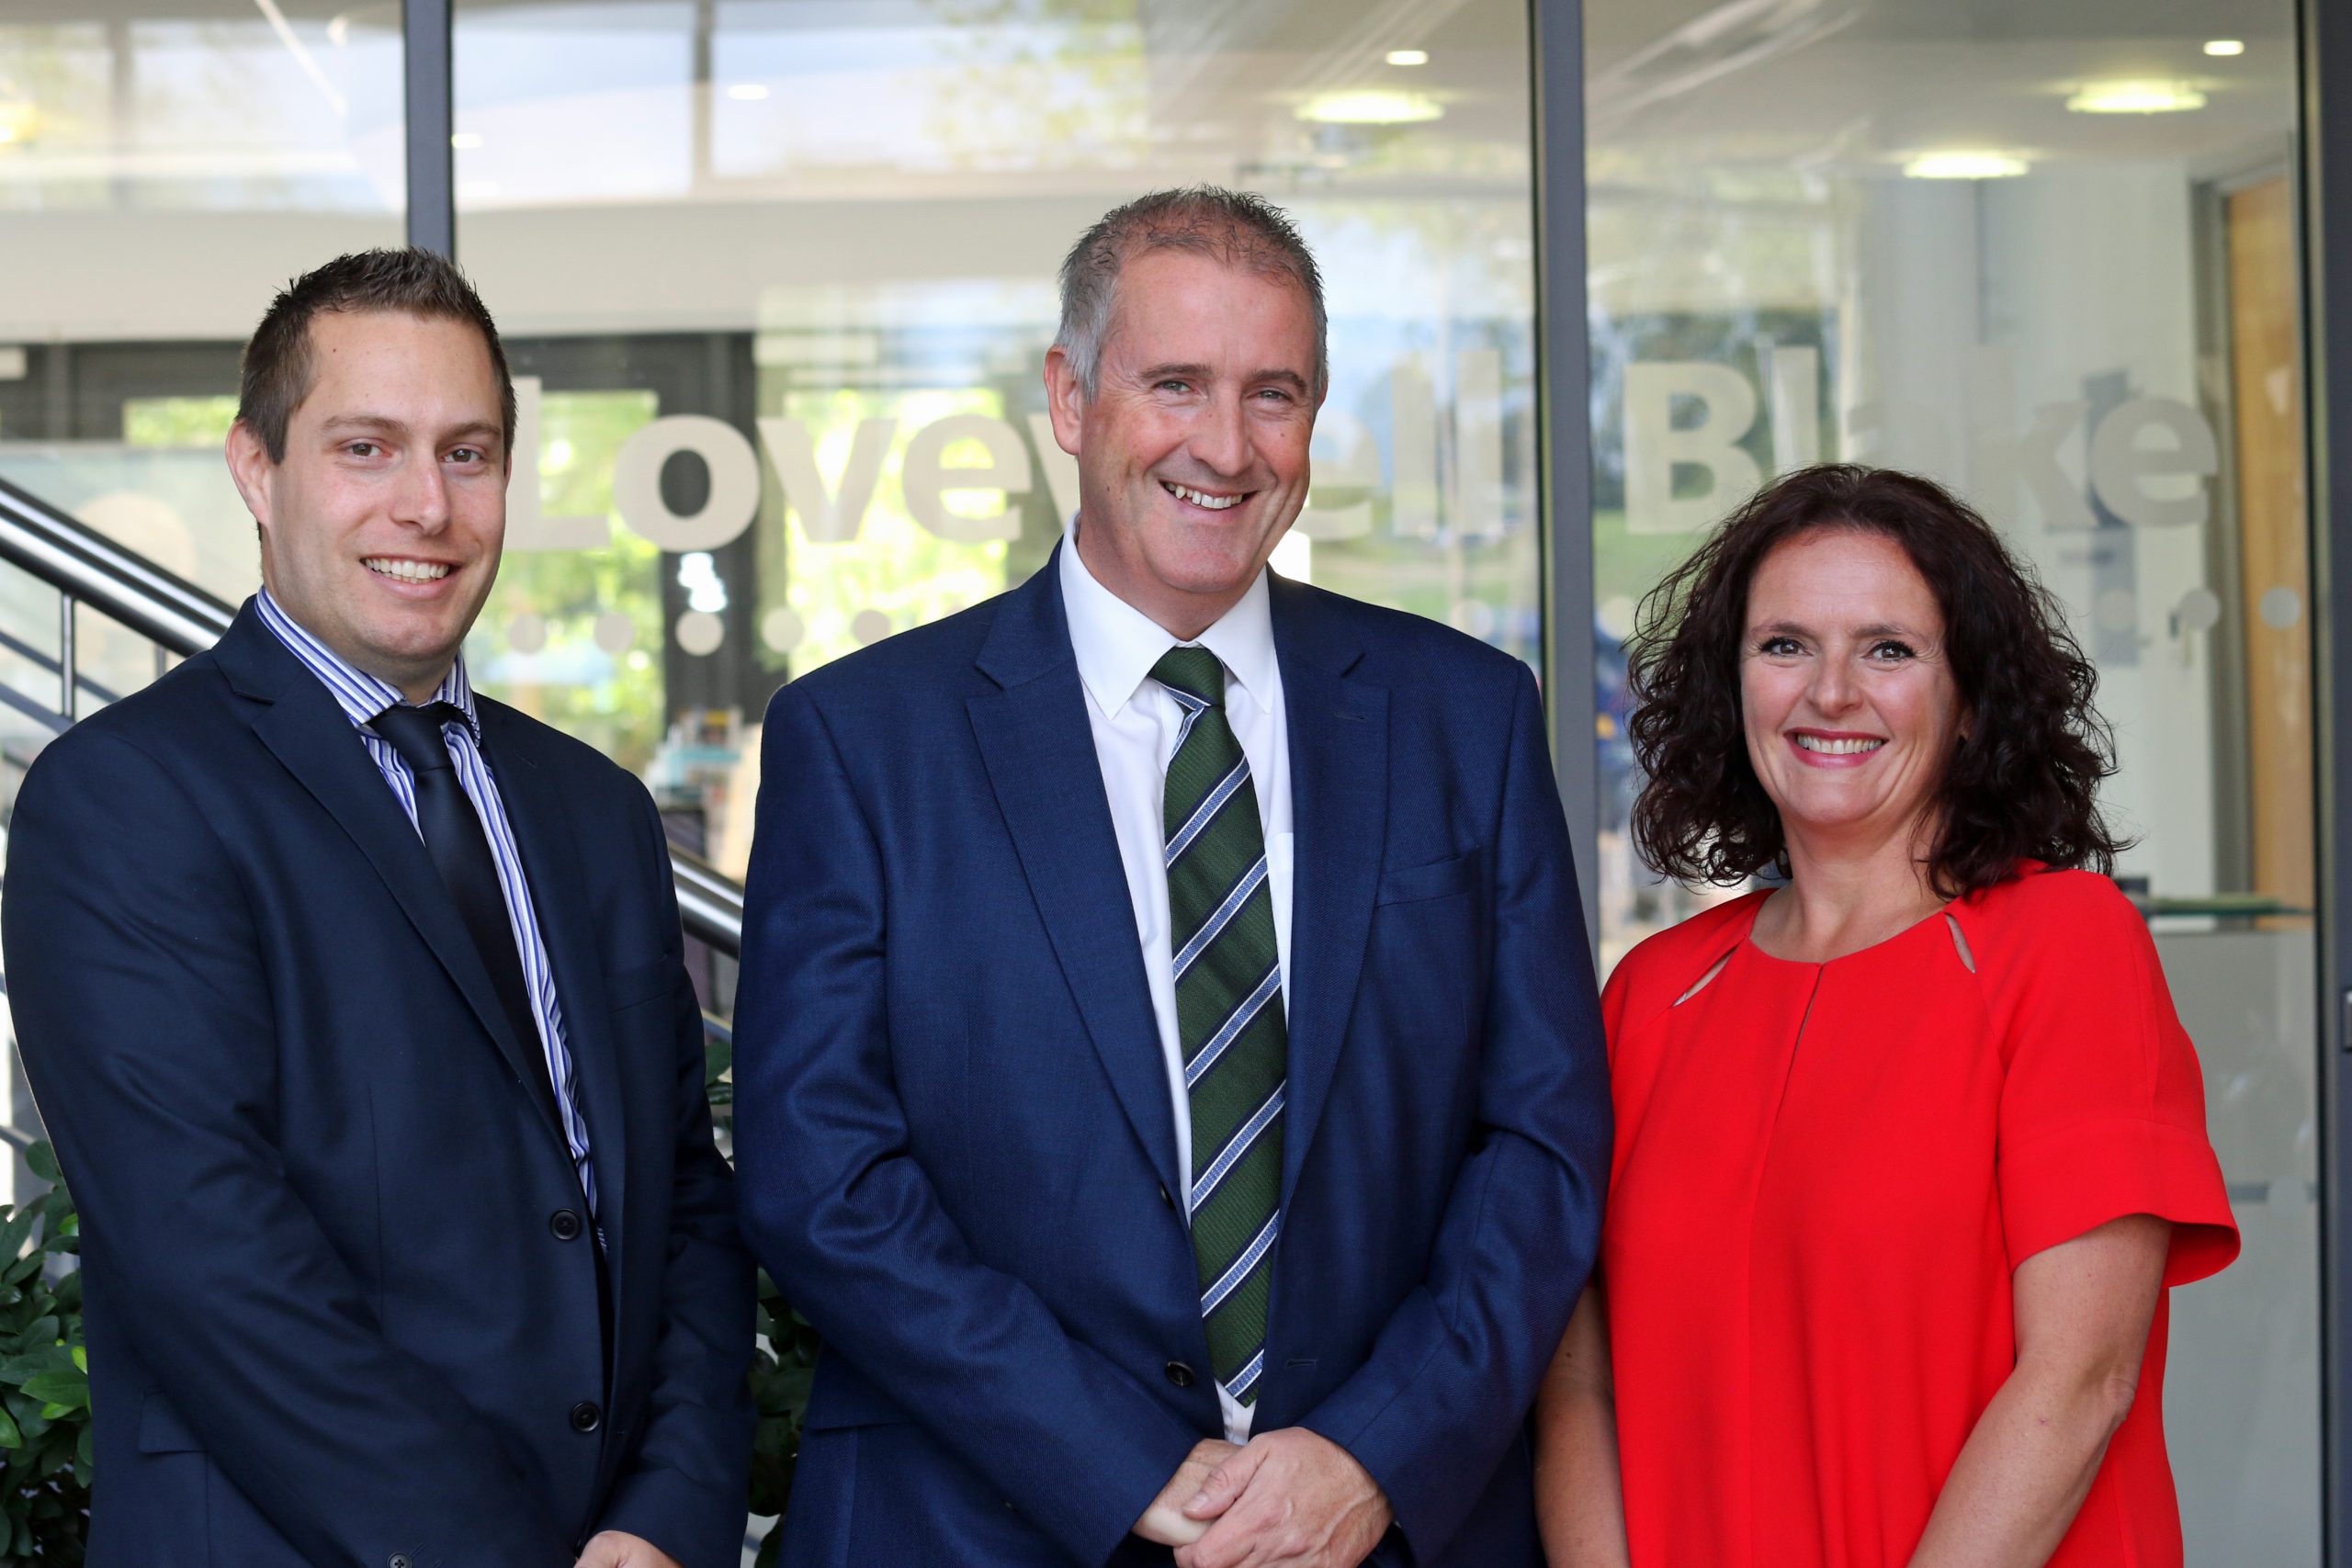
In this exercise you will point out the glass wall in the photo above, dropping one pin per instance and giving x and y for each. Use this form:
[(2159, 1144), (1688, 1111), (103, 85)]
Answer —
[(2046, 253), (167, 166), (782, 277)]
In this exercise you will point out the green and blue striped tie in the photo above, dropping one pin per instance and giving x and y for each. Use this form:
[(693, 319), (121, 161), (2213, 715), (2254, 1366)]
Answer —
[(1228, 1016)]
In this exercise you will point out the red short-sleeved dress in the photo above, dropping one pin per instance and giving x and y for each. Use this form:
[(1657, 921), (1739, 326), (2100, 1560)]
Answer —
[(1824, 1176)]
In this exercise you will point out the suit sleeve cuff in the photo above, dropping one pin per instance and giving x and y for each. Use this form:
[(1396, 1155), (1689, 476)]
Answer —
[(687, 1520)]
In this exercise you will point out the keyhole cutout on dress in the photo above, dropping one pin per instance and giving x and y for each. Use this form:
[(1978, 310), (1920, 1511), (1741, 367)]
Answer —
[(1958, 940), (1708, 979)]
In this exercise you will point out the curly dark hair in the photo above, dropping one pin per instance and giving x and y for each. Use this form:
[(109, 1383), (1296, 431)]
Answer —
[(2020, 783)]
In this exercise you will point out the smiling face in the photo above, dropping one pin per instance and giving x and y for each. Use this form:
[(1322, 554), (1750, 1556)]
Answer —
[(1849, 702), (382, 526), (1192, 453)]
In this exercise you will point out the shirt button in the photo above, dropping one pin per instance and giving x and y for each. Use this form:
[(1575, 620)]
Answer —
[(585, 1417), (1179, 1374), (564, 1224)]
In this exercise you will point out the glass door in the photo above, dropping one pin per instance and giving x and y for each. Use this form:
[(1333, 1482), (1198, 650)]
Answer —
[(2047, 254)]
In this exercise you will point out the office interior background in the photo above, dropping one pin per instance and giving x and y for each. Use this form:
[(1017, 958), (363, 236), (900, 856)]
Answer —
[(776, 279)]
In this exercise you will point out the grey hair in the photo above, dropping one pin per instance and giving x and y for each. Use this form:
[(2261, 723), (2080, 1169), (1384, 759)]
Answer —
[(1231, 226)]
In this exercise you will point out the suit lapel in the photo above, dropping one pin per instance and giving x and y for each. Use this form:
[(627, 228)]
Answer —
[(315, 743), (535, 811), (1339, 787), (1039, 751)]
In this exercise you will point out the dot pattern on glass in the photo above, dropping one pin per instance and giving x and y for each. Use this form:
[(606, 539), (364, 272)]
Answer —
[(2282, 607), (2199, 610), (700, 632), (526, 633), (615, 631), (869, 626), (782, 630)]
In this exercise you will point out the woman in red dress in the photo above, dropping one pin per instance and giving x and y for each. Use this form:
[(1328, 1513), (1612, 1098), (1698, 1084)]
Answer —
[(1910, 1147)]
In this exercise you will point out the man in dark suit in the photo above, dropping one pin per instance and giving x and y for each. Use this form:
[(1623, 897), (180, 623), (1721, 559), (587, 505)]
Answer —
[(356, 1006), (1166, 1022)]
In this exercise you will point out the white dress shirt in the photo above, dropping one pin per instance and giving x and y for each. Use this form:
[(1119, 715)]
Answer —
[(1136, 723)]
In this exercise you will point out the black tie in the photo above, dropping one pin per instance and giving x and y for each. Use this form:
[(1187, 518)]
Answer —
[(460, 852)]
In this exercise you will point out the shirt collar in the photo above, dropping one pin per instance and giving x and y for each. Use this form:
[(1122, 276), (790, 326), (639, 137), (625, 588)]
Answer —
[(1117, 644), (360, 695)]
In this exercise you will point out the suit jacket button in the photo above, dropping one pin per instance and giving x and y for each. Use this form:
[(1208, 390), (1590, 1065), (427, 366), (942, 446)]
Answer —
[(399, 1560), (585, 1417), (565, 1224), (1179, 1374)]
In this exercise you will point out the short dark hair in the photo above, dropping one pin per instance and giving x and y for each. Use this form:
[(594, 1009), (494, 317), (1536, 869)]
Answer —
[(2020, 783), (277, 373), (1235, 227)]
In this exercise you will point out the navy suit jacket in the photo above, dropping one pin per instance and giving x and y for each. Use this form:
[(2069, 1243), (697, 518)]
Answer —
[(954, 1143), (331, 1313)]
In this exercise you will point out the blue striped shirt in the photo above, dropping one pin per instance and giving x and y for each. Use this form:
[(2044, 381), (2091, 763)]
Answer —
[(362, 696)]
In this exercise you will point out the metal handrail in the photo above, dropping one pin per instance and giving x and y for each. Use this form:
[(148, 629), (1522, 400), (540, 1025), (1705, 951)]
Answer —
[(85, 566), (75, 558)]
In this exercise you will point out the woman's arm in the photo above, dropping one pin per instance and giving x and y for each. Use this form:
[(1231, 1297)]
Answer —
[(2083, 1310), (1576, 1498)]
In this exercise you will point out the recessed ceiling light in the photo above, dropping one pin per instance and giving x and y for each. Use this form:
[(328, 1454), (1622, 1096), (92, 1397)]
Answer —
[(1969, 166), (2226, 46), (2136, 97), (1409, 57), (466, 141), (1371, 106), (748, 92)]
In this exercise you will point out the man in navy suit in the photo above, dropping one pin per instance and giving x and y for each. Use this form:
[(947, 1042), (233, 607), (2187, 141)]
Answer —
[(356, 1005), (1168, 1071)]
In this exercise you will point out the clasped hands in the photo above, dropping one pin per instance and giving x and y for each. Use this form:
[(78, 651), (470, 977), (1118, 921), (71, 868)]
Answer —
[(615, 1549), (1291, 1499)]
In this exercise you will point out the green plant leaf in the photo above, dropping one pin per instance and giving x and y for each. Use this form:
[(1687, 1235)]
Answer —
[(20, 1368), (61, 1391), (15, 1229)]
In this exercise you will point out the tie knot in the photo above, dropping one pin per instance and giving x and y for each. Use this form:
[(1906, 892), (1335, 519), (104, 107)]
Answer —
[(1194, 672), (415, 733)]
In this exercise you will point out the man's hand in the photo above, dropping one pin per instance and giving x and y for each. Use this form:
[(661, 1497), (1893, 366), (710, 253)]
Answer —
[(1164, 1522), (613, 1549), (1291, 1499)]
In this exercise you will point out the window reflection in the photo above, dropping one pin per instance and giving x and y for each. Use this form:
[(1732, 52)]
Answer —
[(827, 237), (1900, 232)]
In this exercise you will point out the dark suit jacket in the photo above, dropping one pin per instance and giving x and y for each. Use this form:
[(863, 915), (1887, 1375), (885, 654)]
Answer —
[(331, 1319), (954, 1132)]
